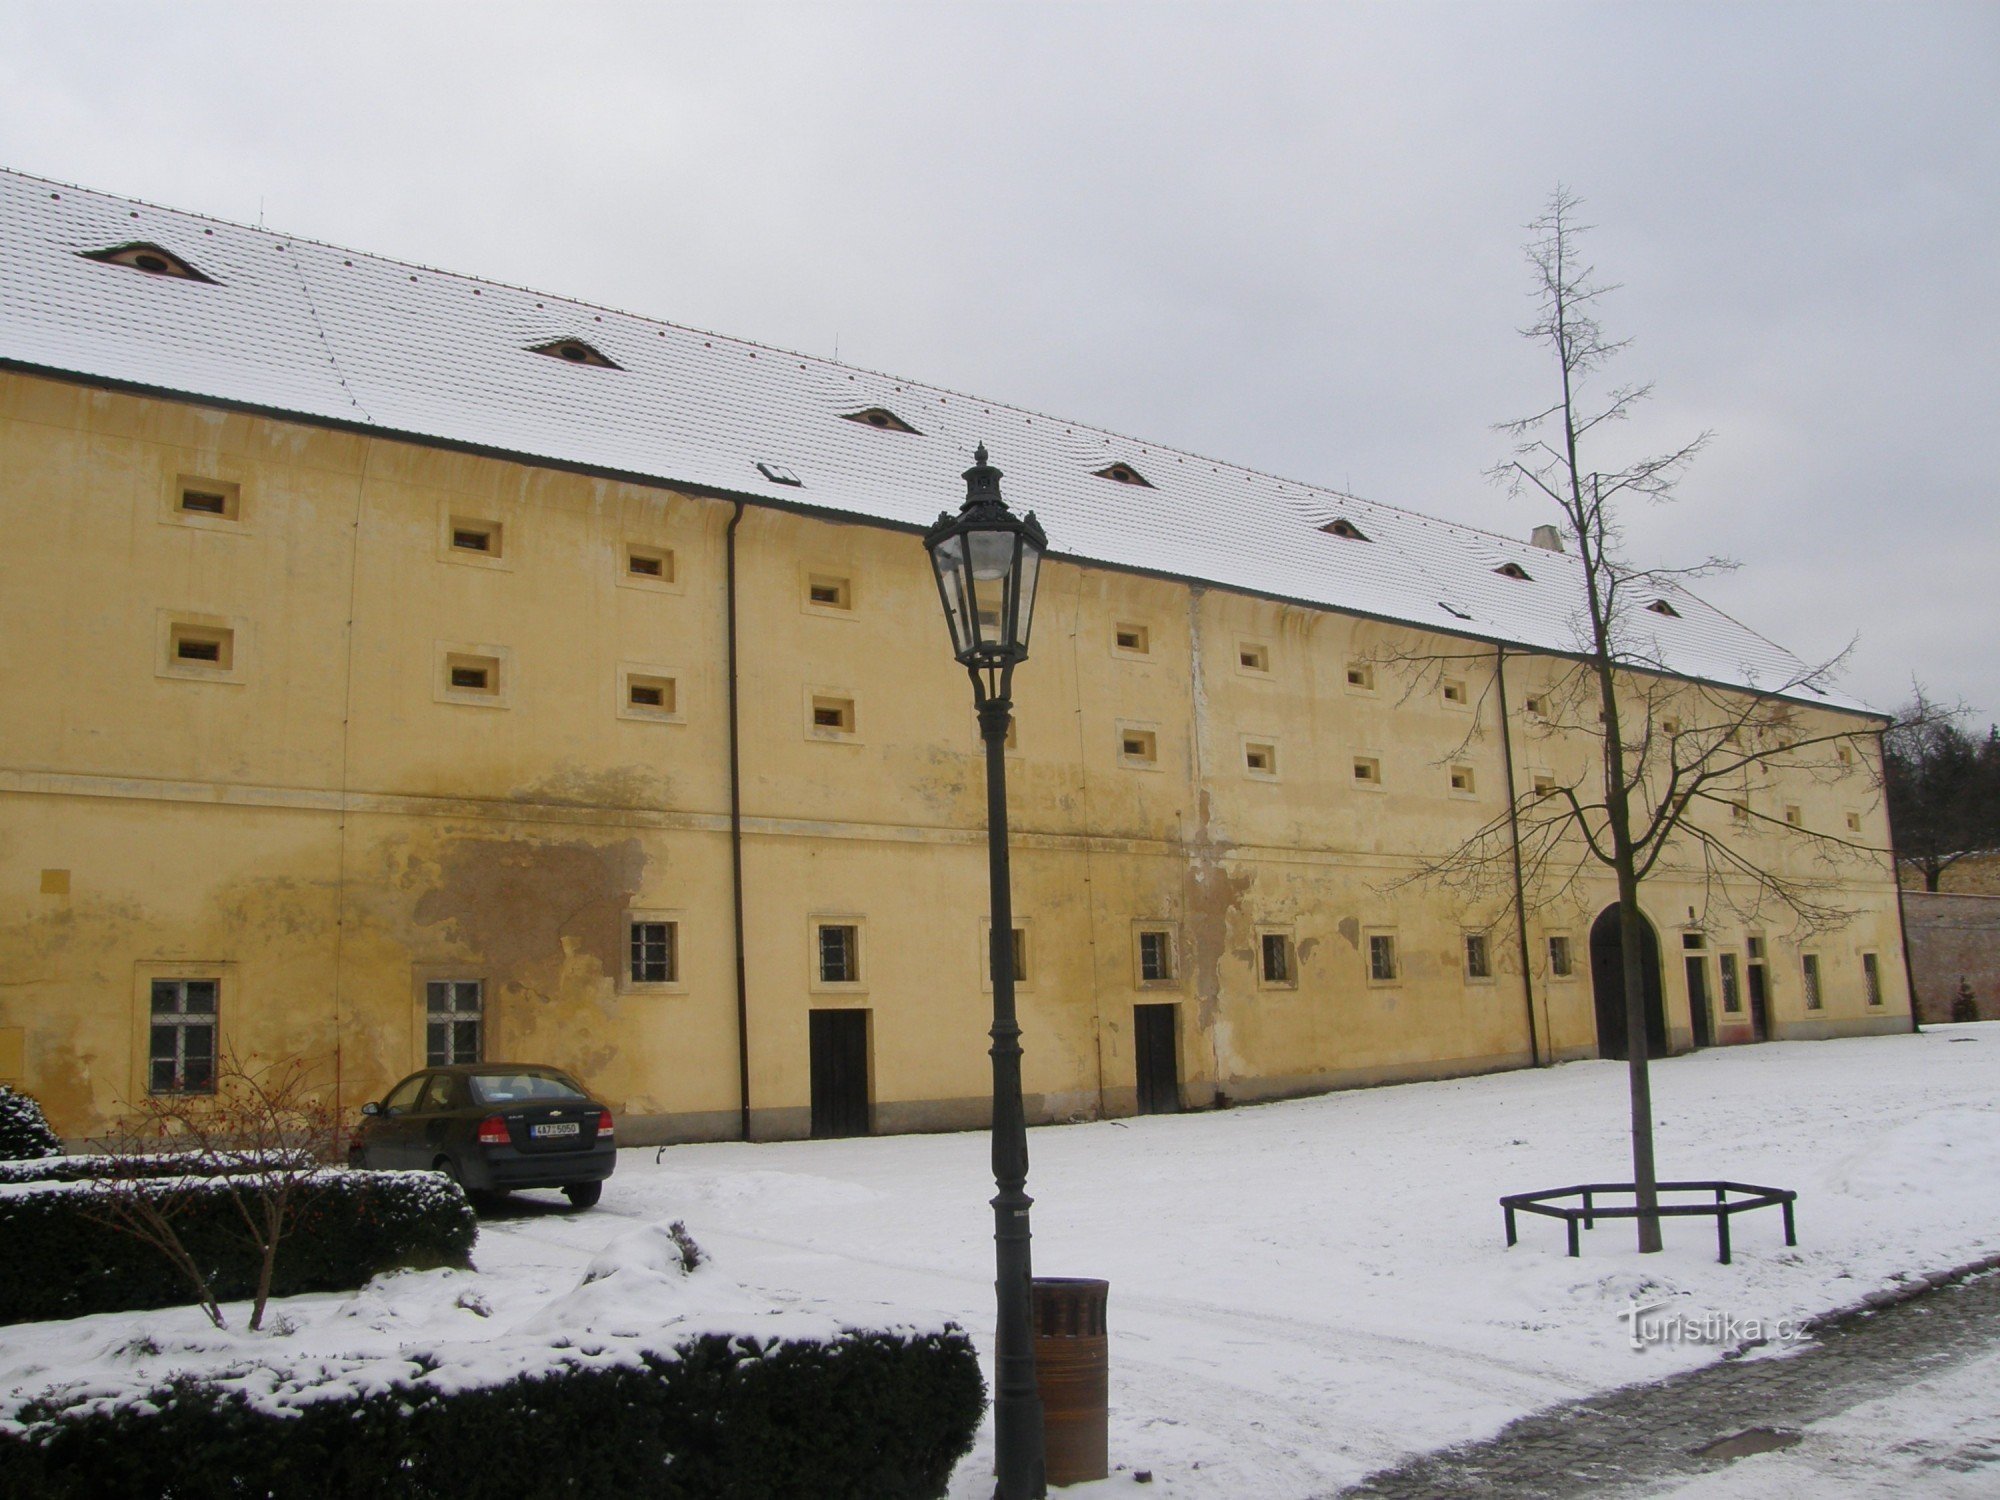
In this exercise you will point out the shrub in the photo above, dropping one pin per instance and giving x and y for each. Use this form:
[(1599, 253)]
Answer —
[(98, 1166), (24, 1129), (866, 1416), (65, 1259)]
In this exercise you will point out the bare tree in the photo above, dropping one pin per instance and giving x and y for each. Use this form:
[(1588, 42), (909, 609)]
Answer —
[(262, 1140), (1655, 770)]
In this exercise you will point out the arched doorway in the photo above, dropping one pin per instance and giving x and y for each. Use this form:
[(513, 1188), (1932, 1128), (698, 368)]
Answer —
[(1607, 981)]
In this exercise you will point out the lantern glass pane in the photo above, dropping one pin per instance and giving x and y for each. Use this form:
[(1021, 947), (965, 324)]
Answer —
[(949, 560), (1031, 563), (992, 570)]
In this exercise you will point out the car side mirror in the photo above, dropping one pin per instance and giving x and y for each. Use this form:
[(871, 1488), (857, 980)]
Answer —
[(371, 1108)]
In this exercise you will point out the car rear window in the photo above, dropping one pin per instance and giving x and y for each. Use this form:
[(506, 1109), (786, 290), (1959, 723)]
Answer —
[(523, 1088)]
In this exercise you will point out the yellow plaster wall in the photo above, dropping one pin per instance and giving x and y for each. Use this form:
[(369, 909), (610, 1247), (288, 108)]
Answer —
[(328, 829)]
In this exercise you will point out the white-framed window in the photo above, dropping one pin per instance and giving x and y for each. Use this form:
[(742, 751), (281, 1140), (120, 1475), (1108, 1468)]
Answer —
[(454, 1022), (1260, 759), (653, 951), (1139, 746), (184, 1031), (474, 674)]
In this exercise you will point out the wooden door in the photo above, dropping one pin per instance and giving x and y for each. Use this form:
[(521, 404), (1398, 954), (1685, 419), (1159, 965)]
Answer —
[(1156, 1045), (839, 1072)]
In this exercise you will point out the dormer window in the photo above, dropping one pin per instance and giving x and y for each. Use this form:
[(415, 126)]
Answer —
[(1514, 570), (1661, 607), (576, 352), (1345, 529), (1124, 474), (154, 260), (882, 418)]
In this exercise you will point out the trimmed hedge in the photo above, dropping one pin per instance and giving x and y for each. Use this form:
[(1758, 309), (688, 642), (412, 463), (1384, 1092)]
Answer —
[(87, 1167), (63, 1263), (869, 1416), (24, 1130)]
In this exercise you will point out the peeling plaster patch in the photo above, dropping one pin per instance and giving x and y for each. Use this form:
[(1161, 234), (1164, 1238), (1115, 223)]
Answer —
[(1350, 928), (526, 908), (1307, 947)]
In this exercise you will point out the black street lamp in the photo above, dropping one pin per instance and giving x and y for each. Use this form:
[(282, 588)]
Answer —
[(987, 559)]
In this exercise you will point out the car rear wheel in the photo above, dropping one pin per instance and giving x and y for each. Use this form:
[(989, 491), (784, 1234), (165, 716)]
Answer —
[(583, 1194)]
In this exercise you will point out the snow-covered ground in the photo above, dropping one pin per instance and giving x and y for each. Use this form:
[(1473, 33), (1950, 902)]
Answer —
[(1300, 1293)]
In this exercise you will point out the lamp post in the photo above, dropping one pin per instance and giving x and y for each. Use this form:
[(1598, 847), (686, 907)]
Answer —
[(987, 559)]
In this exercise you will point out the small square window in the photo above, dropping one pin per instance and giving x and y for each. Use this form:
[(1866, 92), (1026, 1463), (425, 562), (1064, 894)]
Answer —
[(1854, 822), (1754, 946), (1367, 770), (1156, 955), (472, 675), (1382, 958), (1845, 752), (828, 591), (1478, 956), (1794, 817), (1275, 958), (649, 693), (1871, 978), (648, 564), (839, 955), (1562, 963), (1454, 692), (1260, 758), (654, 953), (1537, 705), (1138, 747), (204, 646), (479, 538), (1809, 969), (1461, 780), (1252, 657), (832, 717), (1739, 812), (1694, 941), (1544, 784), (212, 499), (1132, 640), (1361, 676)]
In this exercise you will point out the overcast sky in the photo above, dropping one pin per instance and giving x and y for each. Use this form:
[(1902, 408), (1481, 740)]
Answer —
[(1287, 236)]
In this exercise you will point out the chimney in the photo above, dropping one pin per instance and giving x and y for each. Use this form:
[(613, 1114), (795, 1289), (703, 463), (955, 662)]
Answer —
[(1547, 538)]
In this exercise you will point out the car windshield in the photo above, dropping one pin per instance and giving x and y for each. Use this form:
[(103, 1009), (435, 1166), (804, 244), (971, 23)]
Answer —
[(523, 1087)]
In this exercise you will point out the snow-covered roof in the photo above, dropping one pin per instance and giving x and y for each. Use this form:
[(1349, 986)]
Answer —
[(308, 330)]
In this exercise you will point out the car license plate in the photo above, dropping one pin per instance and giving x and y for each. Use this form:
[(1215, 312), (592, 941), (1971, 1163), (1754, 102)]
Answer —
[(571, 1128)]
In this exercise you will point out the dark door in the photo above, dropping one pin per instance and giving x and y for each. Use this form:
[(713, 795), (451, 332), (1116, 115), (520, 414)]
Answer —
[(1156, 1043), (1760, 1004), (1607, 980), (1697, 973), (839, 1072)]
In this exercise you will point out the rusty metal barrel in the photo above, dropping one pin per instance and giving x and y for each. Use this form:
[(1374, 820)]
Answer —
[(1072, 1372)]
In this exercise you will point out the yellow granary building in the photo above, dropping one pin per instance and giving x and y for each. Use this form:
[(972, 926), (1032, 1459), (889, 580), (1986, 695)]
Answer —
[(405, 667)]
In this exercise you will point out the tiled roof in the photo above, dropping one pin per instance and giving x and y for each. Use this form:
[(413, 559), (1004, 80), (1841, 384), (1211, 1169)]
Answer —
[(304, 329)]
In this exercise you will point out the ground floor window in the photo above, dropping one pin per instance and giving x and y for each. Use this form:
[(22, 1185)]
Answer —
[(1561, 962), (1732, 987), (1809, 967), (454, 1021), (182, 1055), (655, 953), (1871, 978)]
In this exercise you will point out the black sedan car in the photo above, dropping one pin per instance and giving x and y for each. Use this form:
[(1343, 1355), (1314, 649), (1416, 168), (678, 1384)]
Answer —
[(492, 1127)]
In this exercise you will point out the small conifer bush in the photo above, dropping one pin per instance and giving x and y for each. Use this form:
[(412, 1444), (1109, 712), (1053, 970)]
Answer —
[(24, 1129)]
